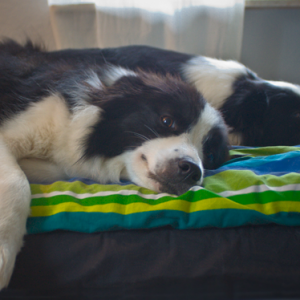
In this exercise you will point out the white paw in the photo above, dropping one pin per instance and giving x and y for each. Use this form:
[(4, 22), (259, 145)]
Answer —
[(8, 253), (7, 262)]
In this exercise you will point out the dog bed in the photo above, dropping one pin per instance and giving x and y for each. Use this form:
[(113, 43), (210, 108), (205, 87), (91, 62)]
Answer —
[(237, 237)]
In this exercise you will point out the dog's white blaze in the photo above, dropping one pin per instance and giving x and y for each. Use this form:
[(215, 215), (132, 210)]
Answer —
[(213, 78), (158, 153), (161, 150), (282, 84), (114, 73)]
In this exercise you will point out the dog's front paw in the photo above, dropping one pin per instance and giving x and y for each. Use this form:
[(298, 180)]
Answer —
[(7, 261)]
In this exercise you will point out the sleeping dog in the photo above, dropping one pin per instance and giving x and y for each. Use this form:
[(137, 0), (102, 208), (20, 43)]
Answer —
[(62, 118), (257, 112)]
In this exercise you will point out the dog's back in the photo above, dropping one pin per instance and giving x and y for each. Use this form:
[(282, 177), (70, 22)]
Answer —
[(258, 112)]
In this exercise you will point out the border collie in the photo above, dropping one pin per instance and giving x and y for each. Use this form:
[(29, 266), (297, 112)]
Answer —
[(62, 119), (257, 112)]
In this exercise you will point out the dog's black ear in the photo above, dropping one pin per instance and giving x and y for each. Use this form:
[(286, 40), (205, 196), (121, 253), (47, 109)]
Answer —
[(244, 112)]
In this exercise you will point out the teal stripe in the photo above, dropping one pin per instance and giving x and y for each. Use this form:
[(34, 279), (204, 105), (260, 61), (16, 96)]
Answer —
[(93, 222)]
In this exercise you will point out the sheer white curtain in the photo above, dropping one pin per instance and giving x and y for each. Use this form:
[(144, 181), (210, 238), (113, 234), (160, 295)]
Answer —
[(207, 27), (20, 20)]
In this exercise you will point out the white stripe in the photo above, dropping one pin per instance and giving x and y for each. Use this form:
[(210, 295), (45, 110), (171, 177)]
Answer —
[(101, 194), (260, 189), (196, 188), (225, 194), (110, 193)]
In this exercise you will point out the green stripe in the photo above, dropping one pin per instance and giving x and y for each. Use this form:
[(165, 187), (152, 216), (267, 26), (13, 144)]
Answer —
[(79, 187), (214, 204), (233, 180), (266, 197), (122, 199), (263, 151)]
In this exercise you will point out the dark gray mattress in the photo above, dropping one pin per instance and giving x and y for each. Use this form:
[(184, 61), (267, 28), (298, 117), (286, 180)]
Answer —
[(251, 262)]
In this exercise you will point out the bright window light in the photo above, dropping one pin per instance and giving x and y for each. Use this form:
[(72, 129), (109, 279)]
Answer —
[(162, 6)]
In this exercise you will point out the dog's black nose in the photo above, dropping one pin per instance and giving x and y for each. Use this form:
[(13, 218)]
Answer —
[(190, 172), (177, 176)]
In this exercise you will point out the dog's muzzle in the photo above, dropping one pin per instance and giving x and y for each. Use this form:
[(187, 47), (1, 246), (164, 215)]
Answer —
[(178, 175)]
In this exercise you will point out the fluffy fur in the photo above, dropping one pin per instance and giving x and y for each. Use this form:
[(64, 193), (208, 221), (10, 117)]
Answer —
[(258, 112), (62, 117)]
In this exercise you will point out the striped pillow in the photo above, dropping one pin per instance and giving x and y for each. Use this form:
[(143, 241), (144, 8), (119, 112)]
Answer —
[(261, 186)]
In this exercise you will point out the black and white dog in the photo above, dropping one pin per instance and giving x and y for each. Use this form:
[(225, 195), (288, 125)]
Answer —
[(62, 118), (258, 112)]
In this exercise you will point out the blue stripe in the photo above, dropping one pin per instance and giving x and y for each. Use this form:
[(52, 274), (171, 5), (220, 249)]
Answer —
[(278, 164)]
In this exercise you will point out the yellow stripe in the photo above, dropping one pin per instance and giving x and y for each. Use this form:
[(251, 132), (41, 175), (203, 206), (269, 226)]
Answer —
[(276, 207), (180, 205)]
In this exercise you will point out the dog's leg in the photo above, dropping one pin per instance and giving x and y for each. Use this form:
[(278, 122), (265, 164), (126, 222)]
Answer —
[(42, 171), (14, 209)]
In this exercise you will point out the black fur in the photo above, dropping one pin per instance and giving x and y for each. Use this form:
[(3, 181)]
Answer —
[(64, 115), (28, 74), (213, 142), (261, 113), (266, 115), (142, 104)]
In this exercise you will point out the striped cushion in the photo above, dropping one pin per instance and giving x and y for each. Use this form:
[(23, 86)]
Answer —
[(261, 186)]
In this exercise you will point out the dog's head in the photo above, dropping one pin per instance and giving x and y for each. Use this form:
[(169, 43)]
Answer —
[(162, 128), (264, 113)]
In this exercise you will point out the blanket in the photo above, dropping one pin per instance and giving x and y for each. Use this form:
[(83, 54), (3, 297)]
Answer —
[(257, 186)]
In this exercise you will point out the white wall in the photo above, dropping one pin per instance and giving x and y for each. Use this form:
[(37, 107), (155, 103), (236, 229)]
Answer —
[(271, 43), (19, 20)]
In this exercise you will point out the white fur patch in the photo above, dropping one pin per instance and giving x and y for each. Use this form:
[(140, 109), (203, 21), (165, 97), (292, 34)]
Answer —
[(209, 118), (14, 210), (158, 152), (48, 138), (80, 89), (213, 78), (47, 130), (114, 73), (94, 81), (42, 171)]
